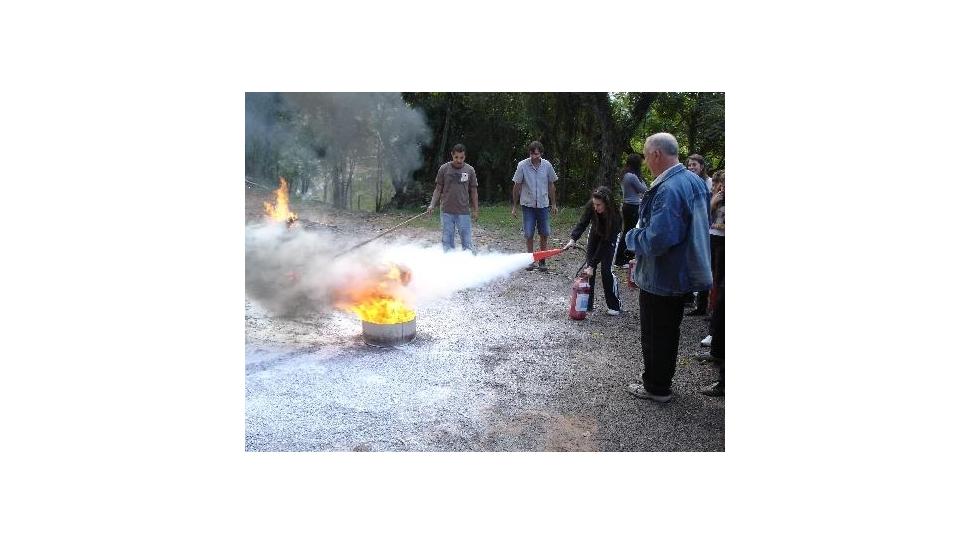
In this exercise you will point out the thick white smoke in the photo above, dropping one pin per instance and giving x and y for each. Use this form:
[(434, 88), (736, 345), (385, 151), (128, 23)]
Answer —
[(437, 274), (298, 272)]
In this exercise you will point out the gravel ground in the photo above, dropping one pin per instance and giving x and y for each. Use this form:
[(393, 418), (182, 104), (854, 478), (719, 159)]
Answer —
[(496, 368)]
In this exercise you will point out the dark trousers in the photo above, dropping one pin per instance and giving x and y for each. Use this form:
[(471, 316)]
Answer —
[(717, 332), (660, 319), (717, 269), (631, 214), (611, 287)]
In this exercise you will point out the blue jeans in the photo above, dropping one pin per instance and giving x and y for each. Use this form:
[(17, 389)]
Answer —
[(450, 222), (532, 216)]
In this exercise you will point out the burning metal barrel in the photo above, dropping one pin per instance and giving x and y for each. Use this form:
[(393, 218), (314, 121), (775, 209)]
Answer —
[(385, 316), (389, 334)]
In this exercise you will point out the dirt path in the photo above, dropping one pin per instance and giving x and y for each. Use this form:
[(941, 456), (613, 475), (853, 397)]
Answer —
[(495, 368)]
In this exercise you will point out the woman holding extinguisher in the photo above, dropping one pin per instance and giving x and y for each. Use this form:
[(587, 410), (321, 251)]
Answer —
[(605, 224)]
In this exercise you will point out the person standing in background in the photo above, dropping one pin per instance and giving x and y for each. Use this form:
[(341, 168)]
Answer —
[(535, 190), (633, 191), (457, 187), (673, 253)]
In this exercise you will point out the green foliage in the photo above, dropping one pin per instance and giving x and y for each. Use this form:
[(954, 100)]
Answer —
[(497, 218), (338, 146), (695, 119)]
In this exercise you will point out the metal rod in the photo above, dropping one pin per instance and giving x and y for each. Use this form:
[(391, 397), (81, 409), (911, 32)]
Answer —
[(368, 241)]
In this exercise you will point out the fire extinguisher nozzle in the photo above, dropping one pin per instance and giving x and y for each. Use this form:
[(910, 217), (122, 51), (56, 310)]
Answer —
[(543, 254)]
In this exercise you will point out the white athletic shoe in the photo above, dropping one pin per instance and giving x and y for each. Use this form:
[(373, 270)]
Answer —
[(706, 341), (612, 312)]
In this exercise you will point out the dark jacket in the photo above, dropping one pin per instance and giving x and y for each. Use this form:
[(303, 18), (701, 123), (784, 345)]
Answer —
[(672, 243), (598, 248)]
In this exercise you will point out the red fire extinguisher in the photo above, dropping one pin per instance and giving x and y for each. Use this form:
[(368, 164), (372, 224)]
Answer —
[(580, 298), (629, 274)]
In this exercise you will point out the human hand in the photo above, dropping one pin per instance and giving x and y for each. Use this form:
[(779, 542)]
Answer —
[(475, 214), (569, 244), (555, 210), (588, 271), (430, 209), (513, 210)]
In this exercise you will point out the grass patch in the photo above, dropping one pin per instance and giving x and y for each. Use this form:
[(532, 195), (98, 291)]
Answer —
[(498, 218)]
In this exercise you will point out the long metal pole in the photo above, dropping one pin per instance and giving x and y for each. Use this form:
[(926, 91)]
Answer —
[(368, 241)]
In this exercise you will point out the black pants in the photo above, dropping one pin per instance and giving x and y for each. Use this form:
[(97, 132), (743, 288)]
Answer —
[(717, 269), (717, 332), (660, 319), (611, 288), (631, 213)]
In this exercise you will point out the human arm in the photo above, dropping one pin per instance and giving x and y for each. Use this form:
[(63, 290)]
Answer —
[(582, 224), (473, 193), (667, 227), (552, 189), (516, 193), (517, 179), (438, 184), (634, 183)]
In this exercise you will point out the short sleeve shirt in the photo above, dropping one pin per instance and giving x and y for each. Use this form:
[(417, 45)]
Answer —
[(535, 182), (456, 184)]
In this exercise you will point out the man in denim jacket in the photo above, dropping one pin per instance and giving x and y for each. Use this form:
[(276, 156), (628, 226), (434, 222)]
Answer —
[(672, 246)]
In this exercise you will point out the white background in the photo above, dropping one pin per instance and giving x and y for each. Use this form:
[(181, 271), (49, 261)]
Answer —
[(122, 394)]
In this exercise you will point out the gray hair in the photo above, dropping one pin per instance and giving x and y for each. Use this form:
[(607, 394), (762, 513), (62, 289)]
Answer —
[(664, 142)]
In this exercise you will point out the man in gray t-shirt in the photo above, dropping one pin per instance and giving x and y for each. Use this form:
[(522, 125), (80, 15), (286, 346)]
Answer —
[(457, 188), (535, 191)]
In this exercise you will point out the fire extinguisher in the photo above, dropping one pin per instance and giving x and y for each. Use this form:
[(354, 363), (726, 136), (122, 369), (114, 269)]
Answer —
[(629, 274), (579, 302)]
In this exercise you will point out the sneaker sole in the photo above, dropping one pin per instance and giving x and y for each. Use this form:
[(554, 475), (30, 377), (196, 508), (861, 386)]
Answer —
[(658, 399)]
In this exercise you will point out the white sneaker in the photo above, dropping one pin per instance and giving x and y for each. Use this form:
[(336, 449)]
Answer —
[(706, 341), (612, 312)]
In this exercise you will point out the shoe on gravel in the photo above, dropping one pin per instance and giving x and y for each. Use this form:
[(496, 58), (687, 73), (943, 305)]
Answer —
[(706, 341), (696, 312), (637, 390), (704, 358), (714, 390), (612, 312), (531, 267), (542, 266)]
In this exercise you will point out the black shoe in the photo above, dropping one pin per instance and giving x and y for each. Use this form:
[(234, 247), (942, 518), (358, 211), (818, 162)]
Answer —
[(704, 358), (714, 390), (542, 266), (531, 267), (696, 312)]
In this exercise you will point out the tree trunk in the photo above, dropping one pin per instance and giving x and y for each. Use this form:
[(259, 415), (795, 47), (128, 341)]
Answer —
[(608, 166), (379, 186), (444, 139), (335, 188), (692, 125)]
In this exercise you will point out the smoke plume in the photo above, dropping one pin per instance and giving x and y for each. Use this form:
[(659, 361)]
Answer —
[(293, 272), (323, 136)]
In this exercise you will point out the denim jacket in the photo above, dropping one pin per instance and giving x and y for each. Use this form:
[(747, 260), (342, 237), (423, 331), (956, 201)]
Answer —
[(671, 240)]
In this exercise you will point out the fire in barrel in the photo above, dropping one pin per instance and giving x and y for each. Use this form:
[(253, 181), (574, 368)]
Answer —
[(379, 300)]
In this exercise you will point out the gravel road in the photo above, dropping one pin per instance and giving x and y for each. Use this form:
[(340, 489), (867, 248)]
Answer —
[(496, 368)]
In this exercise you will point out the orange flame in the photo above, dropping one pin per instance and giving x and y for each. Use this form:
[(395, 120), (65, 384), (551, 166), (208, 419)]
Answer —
[(379, 299), (280, 212), (382, 310)]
